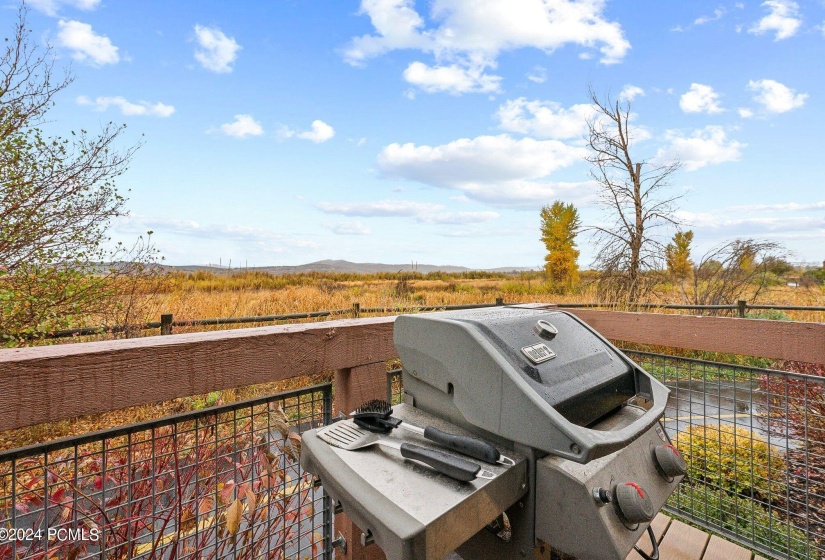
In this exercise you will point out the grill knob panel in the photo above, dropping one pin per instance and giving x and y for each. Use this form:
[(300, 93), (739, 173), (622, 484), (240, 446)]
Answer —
[(634, 503), (670, 461)]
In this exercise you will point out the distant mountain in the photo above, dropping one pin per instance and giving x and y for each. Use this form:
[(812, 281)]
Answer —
[(344, 266)]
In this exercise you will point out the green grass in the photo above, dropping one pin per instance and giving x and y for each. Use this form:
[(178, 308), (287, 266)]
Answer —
[(747, 518), (666, 371)]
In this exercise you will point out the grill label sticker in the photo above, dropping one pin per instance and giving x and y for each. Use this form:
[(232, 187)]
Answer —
[(538, 353)]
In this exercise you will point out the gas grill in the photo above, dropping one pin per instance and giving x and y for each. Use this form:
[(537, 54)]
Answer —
[(591, 464)]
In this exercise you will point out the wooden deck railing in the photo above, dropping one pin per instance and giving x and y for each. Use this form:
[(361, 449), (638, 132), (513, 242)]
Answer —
[(47, 384)]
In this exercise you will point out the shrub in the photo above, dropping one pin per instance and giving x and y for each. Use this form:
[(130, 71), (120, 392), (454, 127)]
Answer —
[(797, 406), (771, 315), (815, 276), (734, 459), (742, 516), (403, 288), (225, 485)]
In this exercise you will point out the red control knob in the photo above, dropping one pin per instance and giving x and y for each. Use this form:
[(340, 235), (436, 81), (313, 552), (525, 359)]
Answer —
[(670, 462), (634, 503)]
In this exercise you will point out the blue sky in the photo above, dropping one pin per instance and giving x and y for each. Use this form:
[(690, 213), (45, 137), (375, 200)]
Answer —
[(289, 131)]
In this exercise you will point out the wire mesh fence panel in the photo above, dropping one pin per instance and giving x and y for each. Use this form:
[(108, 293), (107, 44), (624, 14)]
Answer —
[(754, 441), (395, 387), (223, 482)]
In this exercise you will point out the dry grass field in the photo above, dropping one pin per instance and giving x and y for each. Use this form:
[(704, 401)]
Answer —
[(251, 294)]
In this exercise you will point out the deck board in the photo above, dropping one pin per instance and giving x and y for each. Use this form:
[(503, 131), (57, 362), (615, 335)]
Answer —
[(720, 549), (683, 542), (660, 524)]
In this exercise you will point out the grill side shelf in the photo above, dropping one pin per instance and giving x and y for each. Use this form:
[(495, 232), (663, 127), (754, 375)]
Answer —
[(411, 511)]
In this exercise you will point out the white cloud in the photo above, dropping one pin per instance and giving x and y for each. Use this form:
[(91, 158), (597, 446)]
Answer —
[(538, 75), (486, 159), (383, 208), (783, 19), (217, 52), (718, 14), (733, 225), (85, 44), (786, 207), (630, 92), (52, 7), (422, 212), (191, 228), (529, 195), (544, 119), (497, 170), (127, 108), (470, 35), (745, 113), (458, 218), (776, 97), (321, 132), (706, 146), (452, 79), (241, 127), (700, 99), (349, 228)]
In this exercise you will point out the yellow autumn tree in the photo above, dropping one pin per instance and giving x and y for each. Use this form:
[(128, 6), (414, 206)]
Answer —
[(559, 225), (677, 254), (677, 257)]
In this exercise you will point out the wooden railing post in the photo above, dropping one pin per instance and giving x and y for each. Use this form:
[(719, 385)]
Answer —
[(499, 301), (351, 388), (742, 306), (166, 324), (356, 310)]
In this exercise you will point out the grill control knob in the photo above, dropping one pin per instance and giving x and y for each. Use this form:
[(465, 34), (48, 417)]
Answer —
[(670, 461), (634, 503)]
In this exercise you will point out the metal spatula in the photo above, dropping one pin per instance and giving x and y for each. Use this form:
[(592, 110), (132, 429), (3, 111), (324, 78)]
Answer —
[(347, 435), (376, 416)]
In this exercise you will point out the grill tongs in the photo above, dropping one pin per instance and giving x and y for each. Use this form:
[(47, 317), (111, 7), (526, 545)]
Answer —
[(346, 435), (376, 416)]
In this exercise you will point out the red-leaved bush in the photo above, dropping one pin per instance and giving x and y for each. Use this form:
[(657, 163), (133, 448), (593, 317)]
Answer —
[(796, 407), (210, 488)]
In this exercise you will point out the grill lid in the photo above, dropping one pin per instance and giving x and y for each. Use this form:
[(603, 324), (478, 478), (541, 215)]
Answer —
[(534, 375)]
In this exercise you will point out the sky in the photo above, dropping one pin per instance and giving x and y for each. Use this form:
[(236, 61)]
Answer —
[(398, 131)]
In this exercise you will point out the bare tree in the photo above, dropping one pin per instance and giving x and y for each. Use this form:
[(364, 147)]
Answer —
[(635, 195), (734, 270)]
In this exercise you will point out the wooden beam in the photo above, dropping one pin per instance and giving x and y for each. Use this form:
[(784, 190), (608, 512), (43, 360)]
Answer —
[(782, 340), (51, 383), (355, 386)]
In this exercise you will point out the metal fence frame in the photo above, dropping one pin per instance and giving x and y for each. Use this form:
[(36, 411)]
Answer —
[(747, 433), (168, 322), (246, 450)]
